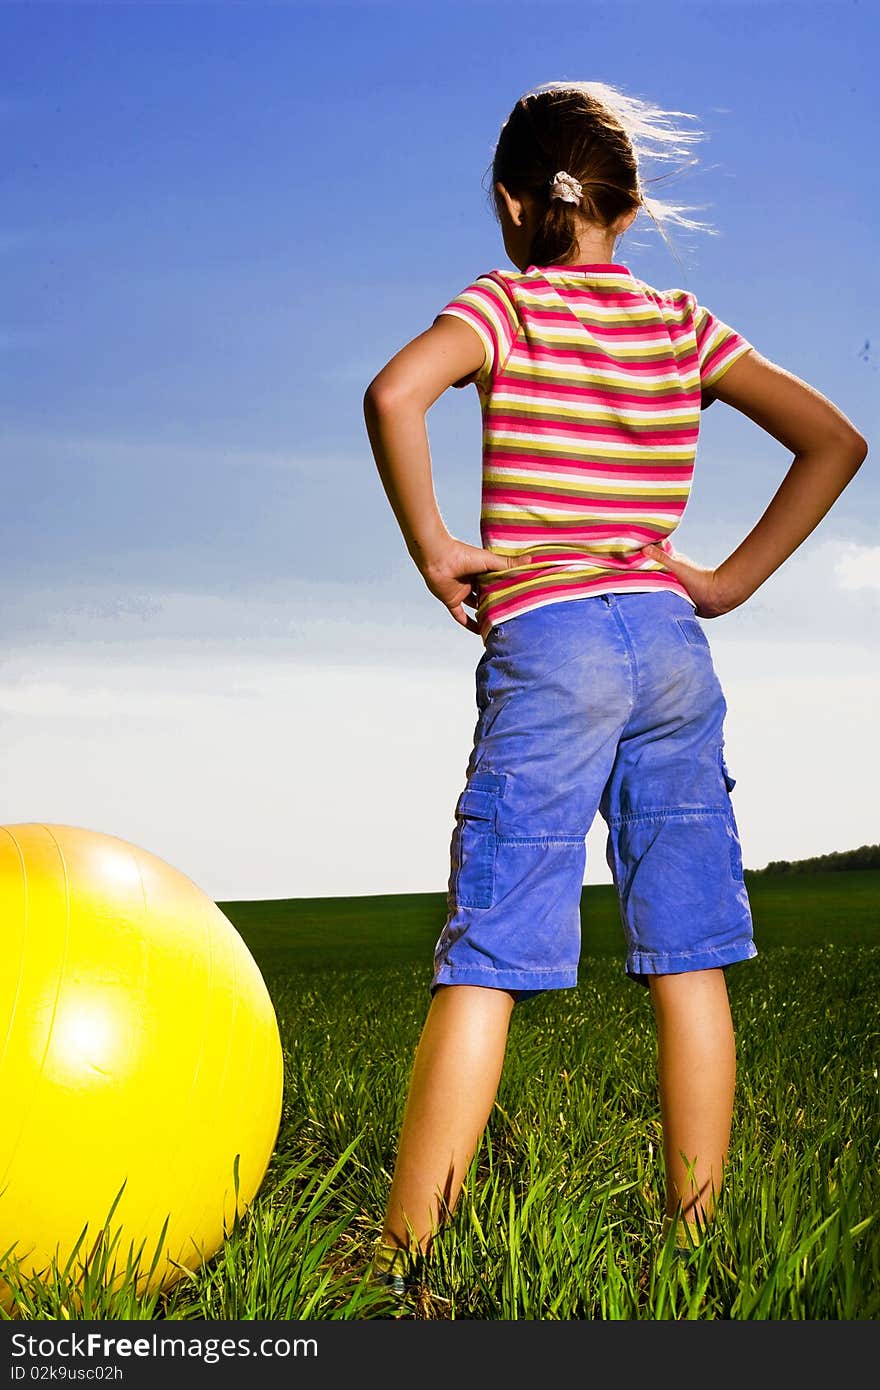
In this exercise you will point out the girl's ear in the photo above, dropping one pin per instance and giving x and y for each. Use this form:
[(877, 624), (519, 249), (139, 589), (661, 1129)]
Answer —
[(515, 210), (629, 220)]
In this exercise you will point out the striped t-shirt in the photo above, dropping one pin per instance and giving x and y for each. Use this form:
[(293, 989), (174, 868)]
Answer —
[(590, 391)]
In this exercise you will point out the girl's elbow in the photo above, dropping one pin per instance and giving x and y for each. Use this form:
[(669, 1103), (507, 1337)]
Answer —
[(847, 447), (380, 397), (856, 451)]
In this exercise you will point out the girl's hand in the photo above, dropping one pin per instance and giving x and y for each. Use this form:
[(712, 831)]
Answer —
[(702, 584), (451, 575)]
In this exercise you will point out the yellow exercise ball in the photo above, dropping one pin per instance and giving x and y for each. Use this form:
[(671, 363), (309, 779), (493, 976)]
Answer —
[(138, 1046)]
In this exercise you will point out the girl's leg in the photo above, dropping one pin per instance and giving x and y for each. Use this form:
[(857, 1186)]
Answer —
[(696, 1064), (455, 1077)]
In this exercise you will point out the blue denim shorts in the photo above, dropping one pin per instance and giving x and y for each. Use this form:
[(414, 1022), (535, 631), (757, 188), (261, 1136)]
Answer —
[(608, 703)]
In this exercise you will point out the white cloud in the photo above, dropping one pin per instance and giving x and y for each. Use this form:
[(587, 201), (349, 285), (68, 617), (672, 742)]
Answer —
[(263, 777), (856, 566), (826, 592), (306, 738)]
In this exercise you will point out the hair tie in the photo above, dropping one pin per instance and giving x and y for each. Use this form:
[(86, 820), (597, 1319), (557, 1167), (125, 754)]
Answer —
[(566, 187)]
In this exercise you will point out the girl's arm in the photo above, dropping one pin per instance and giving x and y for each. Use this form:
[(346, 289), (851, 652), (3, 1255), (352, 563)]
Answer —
[(828, 452), (395, 405)]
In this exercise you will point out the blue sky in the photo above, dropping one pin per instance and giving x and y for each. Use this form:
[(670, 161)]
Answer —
[(220, 221)]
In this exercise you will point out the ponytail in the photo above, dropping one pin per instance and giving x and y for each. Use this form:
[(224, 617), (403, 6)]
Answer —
[(601, 137)]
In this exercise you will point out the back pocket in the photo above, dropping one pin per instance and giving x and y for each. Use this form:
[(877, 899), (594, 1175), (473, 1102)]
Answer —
[(474, 841), (693, 631)]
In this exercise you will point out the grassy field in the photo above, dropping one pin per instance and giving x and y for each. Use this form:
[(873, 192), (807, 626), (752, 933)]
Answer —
[(561, 1210), (841, 907)]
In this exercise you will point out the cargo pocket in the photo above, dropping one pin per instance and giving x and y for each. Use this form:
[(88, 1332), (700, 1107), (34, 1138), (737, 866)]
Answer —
[(474, 841), (736, 864), (693, 631)]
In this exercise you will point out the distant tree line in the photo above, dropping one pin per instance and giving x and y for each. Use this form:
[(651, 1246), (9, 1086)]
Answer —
[(865, 857)]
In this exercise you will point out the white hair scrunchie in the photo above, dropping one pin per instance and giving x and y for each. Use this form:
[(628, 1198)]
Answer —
[(566, 187)]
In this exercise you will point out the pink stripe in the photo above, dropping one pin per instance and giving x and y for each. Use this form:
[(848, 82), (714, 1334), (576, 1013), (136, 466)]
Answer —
[(610, 468), (554, 357), (645, 332), (608, 472), (500, 611), (661, 394), (498, 457), (616, 565), (671, 434), (503, 533), (530, 498)]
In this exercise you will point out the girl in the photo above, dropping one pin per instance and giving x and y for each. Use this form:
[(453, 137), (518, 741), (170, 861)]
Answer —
[(596, 688)]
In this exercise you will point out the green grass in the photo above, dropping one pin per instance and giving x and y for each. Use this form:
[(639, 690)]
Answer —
[(561, 1209), (839, 907)]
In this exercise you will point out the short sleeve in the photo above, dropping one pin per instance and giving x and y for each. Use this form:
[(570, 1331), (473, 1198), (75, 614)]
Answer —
[(488, 307), (718, 345)]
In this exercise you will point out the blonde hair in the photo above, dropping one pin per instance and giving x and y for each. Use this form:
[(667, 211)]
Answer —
[(601, 136)]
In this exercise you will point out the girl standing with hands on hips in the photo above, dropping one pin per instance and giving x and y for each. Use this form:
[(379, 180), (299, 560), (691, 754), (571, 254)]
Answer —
[(596, 687)]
